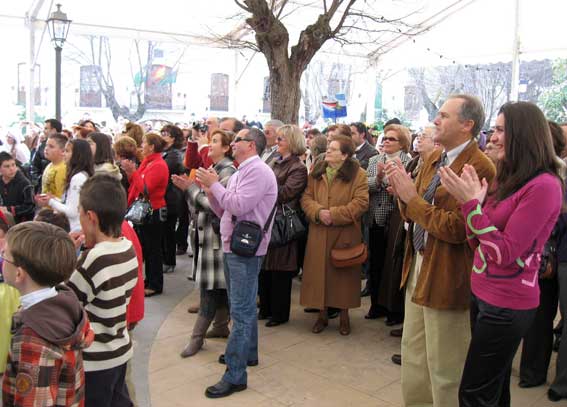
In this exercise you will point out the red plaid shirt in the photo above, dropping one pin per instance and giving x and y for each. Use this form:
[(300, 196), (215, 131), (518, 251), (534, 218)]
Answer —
[(40, 373)]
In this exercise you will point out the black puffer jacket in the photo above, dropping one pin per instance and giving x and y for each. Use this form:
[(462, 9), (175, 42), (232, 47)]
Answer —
[(173, 195), (17, 197), (38, 164)]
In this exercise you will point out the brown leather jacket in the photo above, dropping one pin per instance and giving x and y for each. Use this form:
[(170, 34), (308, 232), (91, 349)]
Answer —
[(444, 280), (291, 175)]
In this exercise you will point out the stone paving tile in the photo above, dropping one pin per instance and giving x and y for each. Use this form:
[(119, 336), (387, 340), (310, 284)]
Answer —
[(297, 368)]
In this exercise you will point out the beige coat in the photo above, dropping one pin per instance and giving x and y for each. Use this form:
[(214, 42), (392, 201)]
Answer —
[(347, 197)]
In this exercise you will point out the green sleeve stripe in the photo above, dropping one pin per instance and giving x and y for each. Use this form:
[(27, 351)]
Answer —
[(478, 232), (520, 263), (480, 270)]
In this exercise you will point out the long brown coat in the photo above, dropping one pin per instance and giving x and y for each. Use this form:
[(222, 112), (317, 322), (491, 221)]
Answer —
[(291, 175), (347, 198)]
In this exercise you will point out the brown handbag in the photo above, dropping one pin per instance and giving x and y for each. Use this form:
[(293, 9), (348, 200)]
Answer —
[(349, 256)]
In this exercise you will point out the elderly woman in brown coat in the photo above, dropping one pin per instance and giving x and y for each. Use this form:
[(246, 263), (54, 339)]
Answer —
[(334, 201), (280, 264)]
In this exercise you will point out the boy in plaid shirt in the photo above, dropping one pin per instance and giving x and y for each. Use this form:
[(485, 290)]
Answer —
[(49, 331)]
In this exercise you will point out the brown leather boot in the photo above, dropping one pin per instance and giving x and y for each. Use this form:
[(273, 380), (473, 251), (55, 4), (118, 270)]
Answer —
[(322, 322), (197, 337), (220, 325)]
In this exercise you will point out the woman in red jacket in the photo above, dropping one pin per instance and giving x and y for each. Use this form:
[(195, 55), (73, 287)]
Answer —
[(154, 175)]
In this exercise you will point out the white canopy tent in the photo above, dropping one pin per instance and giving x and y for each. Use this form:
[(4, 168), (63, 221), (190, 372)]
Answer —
[(447, 31)]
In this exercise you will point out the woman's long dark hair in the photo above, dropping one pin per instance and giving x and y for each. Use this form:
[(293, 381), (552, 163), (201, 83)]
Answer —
[(103, 153), (81, 160), (176, 134), (528, 149)]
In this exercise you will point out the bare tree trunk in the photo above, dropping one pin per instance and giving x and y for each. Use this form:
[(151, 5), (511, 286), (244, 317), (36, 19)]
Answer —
[(102, 59), (272, 40), (285, 94)]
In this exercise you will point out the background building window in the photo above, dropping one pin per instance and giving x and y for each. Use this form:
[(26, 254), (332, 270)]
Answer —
[(23, 84), (90, 94), (158, 87), (219, 92)]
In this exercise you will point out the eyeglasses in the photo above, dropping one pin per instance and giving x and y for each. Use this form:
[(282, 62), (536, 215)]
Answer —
[(239, 139), (392, 139), (281, 139), (6, 260)]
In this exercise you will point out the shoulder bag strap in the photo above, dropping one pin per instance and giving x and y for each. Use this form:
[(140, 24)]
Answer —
[(269, 221), (146, 193)]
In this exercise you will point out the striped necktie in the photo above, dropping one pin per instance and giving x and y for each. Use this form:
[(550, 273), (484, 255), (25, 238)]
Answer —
[(419, 232)]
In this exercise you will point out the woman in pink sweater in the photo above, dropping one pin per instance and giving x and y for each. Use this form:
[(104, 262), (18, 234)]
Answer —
[(507, 224)]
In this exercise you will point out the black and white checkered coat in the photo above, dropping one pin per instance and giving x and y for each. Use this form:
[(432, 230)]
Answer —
[(208, 265), (381, 202)]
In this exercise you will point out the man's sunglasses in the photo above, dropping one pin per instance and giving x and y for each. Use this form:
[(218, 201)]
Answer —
[(239, 139)]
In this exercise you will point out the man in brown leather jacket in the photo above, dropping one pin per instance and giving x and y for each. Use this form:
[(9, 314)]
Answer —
[(438, 260)]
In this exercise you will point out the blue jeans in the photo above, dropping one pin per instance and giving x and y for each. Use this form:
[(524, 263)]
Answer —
[(241, 274)]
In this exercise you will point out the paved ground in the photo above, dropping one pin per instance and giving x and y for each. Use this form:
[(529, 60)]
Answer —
[(157, 310), (297, 368)]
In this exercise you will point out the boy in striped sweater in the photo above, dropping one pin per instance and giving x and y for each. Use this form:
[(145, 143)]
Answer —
[(105, 277)]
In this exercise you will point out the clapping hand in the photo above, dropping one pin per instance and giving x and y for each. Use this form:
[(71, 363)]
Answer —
[(207, 177), (42, 200), (183, 182), (128, 166), (400, 181), (466, 187), (380, 172)]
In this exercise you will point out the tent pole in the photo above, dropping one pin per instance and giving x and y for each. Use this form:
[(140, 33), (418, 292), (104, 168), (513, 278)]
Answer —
[(514, 89)]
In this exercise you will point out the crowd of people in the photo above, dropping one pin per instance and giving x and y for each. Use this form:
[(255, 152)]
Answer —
[(461, 241)]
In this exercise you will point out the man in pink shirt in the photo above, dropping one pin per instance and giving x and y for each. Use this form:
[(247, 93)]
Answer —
[(250, 195)]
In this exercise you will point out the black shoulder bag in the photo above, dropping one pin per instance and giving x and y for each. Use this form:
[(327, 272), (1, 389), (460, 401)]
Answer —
[(140, 212), (289, 225), (247, 236)]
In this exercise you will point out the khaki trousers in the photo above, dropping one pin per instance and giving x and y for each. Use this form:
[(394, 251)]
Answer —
[(434, 350)]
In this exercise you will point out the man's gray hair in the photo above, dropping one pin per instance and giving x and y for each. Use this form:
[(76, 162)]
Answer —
[(259, 138), (471, 109), (274, 123)]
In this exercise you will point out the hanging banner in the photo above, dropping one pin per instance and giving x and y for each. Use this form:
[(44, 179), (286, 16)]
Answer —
[(335, 108)]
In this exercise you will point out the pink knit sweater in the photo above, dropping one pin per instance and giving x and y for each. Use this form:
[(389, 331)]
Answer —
[(509, 237)]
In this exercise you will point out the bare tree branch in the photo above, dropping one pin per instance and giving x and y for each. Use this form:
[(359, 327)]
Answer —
[(299, 7), (242, 6), (343, 18), (283, 4), (336, 20)]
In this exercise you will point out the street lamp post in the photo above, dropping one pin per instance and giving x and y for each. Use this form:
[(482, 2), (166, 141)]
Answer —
[(58, 25)]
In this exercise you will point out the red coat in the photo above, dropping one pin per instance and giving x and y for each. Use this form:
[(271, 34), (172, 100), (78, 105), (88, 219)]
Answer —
[(135, 310), (154, 173), (194, 158)]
